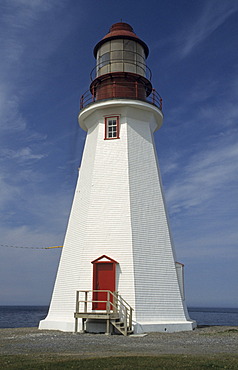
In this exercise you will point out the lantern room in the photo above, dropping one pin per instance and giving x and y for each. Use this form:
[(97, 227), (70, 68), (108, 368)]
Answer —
[(121, 70), (121, 50)]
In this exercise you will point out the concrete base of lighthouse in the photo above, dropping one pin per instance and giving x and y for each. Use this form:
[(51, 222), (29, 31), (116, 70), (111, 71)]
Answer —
[(164, 327), (138, 328), (146, 327), (62, 325)]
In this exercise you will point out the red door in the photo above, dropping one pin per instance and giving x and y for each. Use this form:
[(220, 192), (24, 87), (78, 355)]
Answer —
[(103, 279)]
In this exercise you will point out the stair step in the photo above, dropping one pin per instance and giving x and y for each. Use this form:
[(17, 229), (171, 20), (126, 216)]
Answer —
[(120, 326)]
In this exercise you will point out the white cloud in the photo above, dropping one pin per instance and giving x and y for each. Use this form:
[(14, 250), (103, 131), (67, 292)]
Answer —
[(206, 175), (8, 192), (36, 5), (11, 119), (213, 16), (24, 154), (223, 113)]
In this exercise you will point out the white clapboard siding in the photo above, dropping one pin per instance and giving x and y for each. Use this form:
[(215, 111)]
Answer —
[(119, 211)]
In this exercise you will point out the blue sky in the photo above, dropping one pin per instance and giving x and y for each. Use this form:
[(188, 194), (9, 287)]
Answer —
[(46, 60)]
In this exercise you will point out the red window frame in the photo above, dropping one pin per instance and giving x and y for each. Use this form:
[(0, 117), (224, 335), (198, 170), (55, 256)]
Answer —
[(117, 126)]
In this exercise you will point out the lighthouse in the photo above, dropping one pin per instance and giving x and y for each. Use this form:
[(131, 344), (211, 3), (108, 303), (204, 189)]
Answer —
[(118, 269)]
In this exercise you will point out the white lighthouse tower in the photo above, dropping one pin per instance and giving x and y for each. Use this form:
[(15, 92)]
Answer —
[(118, 257)]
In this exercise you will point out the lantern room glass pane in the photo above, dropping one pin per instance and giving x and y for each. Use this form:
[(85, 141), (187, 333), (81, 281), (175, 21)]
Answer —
[(140, 50), (116, 55), (103, 64), (104, 59), (104, 70), (129, 67), (105, 48), (130, 45), (116, 67), (116, 45), (128, 55)]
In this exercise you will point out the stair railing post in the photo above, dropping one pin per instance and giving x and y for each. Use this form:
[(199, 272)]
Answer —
[(86, 301), (125, 321), (108, 302), (130, 319), (77, 301), (77, 310), (115, 307), (114, 302)]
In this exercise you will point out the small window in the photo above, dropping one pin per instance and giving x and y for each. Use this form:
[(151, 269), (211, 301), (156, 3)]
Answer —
[(112, 127)]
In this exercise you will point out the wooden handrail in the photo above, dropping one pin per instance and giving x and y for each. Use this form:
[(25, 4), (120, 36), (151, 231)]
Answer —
[(116, 305)]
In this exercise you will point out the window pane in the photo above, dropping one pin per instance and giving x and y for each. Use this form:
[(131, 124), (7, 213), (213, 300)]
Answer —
[(112, 128), (104, 48), (128, 55), (116, 45), (130, 45), (116, 55), (104, 59)]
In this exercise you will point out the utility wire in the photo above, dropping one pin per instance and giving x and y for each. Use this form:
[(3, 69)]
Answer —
[(15, 246)]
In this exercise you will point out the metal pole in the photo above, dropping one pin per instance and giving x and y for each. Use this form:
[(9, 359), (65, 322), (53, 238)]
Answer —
[(153, 96)]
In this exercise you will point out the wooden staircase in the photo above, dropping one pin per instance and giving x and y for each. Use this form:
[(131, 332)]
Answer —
[(121, 327), (117, 312)]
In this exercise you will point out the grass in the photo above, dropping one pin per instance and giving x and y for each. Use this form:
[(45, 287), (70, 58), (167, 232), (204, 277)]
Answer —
[(165, 362)]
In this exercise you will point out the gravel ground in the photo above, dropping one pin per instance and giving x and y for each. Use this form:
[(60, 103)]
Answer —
[(205, 340)]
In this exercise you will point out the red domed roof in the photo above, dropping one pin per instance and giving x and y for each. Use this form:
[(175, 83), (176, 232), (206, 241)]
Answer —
[(121, 30)]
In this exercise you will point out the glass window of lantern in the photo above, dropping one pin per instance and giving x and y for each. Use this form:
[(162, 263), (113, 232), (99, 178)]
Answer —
[(103, 64), (129, 56), (129, 45), (104, 48), (104, 59), (116, 45), (112, 127), (140, 55), (140, 51), (116, 56), (140, 60)]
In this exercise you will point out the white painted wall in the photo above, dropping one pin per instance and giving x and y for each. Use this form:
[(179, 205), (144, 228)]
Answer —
[(118, 210)]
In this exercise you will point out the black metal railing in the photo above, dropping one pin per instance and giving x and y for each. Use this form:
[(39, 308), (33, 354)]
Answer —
[(118, 92)]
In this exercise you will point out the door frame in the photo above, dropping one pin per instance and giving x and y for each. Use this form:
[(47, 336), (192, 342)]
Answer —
[(102, 260)]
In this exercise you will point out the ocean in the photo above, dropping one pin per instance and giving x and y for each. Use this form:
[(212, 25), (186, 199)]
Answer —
[(29, 316)]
